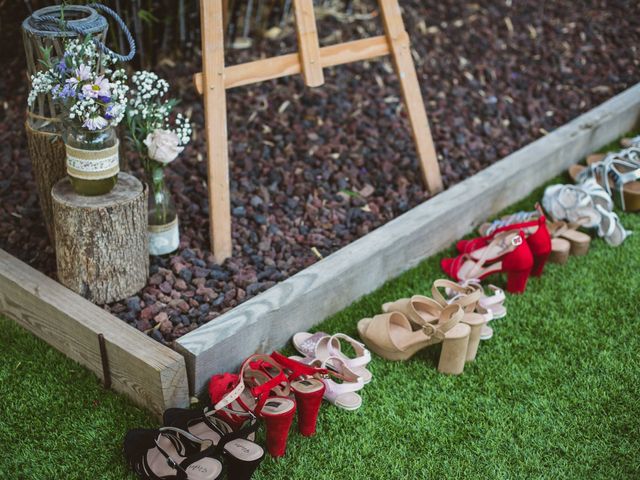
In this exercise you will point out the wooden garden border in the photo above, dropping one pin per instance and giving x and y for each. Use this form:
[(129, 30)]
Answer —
[(268, 321), (154, 376)]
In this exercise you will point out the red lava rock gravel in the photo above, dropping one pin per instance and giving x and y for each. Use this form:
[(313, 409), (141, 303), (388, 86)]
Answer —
[(315, 169)]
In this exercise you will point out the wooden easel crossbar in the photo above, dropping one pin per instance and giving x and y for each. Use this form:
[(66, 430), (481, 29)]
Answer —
[(310, 61)]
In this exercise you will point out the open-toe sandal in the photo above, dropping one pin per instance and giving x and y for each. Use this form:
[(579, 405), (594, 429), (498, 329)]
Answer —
[(508, 252), (571, 203), (341, 383), (391, 336), (535, 233), (262, 389), (171, 454), (322, 346), (618, 173), (242, 455), (611, 228)]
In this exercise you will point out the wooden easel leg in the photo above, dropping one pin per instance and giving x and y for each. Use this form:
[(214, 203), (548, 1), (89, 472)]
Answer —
[(215, 103), (401, 52)]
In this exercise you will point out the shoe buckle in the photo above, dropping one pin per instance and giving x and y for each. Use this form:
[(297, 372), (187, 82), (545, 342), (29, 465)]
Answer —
[(428, 329), (516, 241)]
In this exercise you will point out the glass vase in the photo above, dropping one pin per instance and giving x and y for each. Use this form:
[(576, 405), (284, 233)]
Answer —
[(93, 160), (164, 232)]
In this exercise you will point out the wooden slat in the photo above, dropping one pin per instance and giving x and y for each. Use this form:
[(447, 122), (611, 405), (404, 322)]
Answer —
[(153, 375), (308, 43), (287, 65), (215, 103), (406, 70), (267, 321)]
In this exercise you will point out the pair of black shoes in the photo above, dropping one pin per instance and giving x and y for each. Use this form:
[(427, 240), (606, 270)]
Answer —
[(194, 445)]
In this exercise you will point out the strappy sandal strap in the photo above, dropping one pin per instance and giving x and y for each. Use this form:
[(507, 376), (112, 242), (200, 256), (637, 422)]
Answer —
[(465, 297), (298, 370), (363, 356), (621, 178), (174, 436), (508, 240)]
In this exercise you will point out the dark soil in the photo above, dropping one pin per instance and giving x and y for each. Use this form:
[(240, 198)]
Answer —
[(314, 169)]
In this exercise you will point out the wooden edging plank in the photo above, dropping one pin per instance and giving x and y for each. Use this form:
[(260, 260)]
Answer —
[(287, 65), (269, 320), (153, 375)]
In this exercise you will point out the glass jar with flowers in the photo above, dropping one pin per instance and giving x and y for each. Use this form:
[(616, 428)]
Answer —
[(159, 139), (93, 98)]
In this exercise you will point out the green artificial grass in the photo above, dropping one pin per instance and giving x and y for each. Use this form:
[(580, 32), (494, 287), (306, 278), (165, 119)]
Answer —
[(554, 394)]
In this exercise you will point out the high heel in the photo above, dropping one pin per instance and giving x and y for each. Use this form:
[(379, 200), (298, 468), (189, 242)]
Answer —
[(509, 253), (307, 388), (262, 389), (535, 232), (392, 337), (242, 455), (517, 280), (171, 453), (419, 309), (453, 355)]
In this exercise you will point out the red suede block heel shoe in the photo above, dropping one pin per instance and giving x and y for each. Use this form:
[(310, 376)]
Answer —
[(262, 389), (535, 232), (507, 253), (308, 389)]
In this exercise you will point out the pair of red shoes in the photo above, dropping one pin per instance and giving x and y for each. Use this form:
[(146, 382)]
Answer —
[(272, 388), (519, 250)]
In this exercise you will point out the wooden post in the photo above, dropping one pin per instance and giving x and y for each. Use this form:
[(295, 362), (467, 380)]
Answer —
[(308, 43), (401, 52), (102, 248), (310, 60), (48, 163), (215, 102)]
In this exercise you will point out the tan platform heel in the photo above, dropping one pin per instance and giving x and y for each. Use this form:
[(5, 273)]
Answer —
[(468, 297), (391, 336), (420, 309), (579, 241)]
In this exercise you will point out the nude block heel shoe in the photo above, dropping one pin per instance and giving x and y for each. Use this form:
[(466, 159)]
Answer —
[(454, 354), (392, 336), (474, 341)]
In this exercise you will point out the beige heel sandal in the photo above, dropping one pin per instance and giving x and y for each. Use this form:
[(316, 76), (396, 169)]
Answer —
[(579, 242), (419, 309), (391, 336)]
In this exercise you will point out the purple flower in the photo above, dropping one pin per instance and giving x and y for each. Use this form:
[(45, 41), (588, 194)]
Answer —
[(104, 99), (62, 66), (95, 123), (68, 91), (100, 87)]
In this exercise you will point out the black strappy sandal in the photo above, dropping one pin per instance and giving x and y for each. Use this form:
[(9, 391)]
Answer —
[(171, 454), (242, 456)]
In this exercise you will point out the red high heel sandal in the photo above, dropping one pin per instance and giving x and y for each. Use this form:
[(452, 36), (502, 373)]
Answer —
[(261, 389), (536, 233), (507, 252), (307, 388)]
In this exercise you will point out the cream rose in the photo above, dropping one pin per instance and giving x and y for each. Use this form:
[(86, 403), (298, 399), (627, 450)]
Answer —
[(163, 146)]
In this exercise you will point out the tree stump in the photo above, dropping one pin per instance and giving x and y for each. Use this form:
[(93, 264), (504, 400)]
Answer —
[(102, 248), (49, 166)]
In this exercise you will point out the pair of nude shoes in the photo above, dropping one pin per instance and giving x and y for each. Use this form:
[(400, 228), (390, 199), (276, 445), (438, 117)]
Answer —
[(409, 325)]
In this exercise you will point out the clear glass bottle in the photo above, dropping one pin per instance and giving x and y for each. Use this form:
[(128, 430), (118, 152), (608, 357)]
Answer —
[(164, 232), (93, 160)]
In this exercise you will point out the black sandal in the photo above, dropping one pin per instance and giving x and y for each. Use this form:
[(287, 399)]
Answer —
[(171, 454), (242, 456)]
